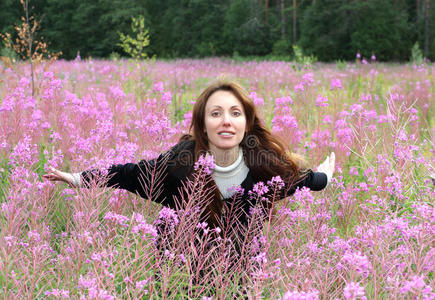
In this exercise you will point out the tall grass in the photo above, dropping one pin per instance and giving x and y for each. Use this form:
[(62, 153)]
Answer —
[(368, 235)]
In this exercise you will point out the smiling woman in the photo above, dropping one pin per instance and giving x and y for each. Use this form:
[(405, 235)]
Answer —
[(225, 125)]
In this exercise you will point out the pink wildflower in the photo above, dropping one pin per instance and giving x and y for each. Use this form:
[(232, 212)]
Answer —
[(327, 119), (321, 101), (353, 171), (284, 100), (336, 84), (308, 78), (295, 295), (358, 261), (299, 87), (116, 92), (140, 285), (158, 87), (258, 101), (62, 294), (119, 219), (206, 163), (276, 182), (417, 286), (354, 291), (260, 189)]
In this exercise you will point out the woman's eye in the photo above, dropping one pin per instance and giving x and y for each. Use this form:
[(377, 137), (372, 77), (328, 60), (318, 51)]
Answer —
[(215, 114), (236, 113)]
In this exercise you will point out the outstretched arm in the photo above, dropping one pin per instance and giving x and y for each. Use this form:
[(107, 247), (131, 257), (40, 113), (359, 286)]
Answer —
[(144, 178)]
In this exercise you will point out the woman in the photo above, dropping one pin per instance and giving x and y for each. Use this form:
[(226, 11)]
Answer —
[(226, 125)]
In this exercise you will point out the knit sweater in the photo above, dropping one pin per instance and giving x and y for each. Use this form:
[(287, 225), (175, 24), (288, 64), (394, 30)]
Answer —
[(228, 178)]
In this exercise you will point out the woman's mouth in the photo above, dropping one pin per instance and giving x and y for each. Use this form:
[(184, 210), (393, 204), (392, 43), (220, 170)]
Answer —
[(226, 133)]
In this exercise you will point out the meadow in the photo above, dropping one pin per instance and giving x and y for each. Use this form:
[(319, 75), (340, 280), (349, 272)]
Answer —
[(369, 235)]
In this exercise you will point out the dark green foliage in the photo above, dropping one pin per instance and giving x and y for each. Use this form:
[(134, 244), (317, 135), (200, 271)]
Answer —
[(244, 31), (90, 27), (328, 29), (381, 28)]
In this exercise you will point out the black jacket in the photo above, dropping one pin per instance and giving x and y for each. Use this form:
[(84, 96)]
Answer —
[(170, 170)]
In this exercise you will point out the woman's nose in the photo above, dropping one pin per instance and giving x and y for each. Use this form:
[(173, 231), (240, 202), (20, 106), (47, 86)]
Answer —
[(227, 119)]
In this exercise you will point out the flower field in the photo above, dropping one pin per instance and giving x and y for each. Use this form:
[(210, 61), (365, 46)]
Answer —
[(369, 235)]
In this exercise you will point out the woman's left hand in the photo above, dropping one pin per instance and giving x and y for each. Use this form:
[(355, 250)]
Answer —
[(328, 166)]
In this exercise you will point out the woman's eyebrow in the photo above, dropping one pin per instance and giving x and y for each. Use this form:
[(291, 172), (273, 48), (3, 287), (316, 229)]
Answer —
[(220, 107)]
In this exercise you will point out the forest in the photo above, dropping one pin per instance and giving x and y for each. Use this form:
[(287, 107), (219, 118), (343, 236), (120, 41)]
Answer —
[(329, 30)]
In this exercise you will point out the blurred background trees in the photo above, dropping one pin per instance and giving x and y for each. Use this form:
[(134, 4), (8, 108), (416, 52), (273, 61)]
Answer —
[(327, 29)]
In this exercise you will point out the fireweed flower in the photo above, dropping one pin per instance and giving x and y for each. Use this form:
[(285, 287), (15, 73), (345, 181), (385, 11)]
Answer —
[(276, 183), (187, 119), (321, 101), (260, 258), (235, 190), (60, 294), (116, 92), (203, 226), (206, 163), (167, 216), (283, 101), (295, 295), (145, 229), (308, 78), (258, 101), (140, 285), (299, 87), (158, 87), (353, 171), (416, 286), (259, 189), (357, 261), (354, 291), (119, 219), (327, 119), (336, 84), (167, 98)]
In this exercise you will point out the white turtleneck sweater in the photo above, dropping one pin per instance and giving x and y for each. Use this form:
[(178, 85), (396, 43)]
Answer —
[(228, 178)]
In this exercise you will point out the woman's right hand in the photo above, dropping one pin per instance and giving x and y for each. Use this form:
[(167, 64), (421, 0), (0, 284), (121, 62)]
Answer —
[(56, 175), (328, 166)]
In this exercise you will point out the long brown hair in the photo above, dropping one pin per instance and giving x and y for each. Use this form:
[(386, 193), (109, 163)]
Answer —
[(264, 154)]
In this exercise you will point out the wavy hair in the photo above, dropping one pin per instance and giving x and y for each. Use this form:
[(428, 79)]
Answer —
[(264, 154)]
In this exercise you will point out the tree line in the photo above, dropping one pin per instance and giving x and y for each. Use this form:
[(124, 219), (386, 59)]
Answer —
[(328, 29)]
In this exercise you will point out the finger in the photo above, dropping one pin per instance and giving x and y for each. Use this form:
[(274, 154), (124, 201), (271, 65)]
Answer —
[(332, 159)]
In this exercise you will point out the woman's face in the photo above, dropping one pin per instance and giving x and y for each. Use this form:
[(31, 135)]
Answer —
[(225, 121)]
